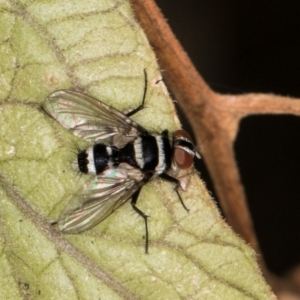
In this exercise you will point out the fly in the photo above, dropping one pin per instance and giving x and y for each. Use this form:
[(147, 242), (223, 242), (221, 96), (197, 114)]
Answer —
[(123, 158)]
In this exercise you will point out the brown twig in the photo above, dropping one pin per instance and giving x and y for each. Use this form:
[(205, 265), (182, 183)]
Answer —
[(213, 116)]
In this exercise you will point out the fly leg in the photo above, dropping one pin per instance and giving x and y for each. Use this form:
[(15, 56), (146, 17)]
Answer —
[(141, 106), (169, 178), (143, 215)]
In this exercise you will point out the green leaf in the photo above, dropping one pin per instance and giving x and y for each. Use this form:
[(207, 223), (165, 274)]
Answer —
[(99, 48)]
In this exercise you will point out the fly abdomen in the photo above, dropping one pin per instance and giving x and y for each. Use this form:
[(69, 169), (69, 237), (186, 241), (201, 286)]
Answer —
[(128, 155), (94, 160), (82, 160), (101, 157)]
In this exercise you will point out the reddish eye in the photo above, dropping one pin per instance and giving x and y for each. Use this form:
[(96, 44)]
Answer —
[(182, 154), (181, 133), (182, 158)]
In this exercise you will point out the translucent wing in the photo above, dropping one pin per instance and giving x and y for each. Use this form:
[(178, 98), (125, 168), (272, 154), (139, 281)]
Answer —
[(99, 198), (91, 119)]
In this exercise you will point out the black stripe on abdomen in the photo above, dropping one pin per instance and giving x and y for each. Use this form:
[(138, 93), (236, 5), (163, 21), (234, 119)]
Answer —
[(100, 158)]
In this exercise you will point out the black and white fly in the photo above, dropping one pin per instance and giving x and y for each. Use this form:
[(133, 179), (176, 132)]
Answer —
[(124, 157)]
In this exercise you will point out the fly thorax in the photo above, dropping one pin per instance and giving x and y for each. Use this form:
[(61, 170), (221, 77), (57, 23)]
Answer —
[(166, 149), (161, 165), (147, 146), (150, 153)]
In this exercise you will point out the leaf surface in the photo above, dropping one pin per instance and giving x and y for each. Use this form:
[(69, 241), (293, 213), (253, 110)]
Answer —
[(98, 48)]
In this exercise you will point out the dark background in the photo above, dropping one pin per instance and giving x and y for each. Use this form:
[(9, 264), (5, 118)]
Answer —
[(254, 46)]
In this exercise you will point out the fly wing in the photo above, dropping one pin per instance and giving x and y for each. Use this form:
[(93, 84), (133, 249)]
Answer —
[(91, 119), (99, 198)]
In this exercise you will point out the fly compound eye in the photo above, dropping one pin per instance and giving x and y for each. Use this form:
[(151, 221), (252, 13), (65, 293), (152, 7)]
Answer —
[(182, 158), (182, 135), (183, 153)]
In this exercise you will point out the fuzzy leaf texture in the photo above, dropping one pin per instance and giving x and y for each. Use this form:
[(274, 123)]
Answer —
[(99, 48)]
